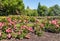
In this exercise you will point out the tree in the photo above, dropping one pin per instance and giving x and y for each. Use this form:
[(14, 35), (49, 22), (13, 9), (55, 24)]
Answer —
[(50, 11), (38, 9), (12, 6), (42, 10), (30, 12), (35, 13), (54, 10)]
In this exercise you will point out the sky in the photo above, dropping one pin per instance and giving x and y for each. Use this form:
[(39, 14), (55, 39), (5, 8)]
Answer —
[(33, 4)]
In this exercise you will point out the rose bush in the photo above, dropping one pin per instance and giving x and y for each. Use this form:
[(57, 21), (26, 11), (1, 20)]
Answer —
[(52, 26), (20, 27), (16, 27)]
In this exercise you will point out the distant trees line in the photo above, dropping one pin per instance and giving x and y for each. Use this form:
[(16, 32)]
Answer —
[(51, 11), (16, 7)]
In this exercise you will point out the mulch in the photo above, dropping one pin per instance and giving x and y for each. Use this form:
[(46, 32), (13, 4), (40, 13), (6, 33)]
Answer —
[(45, 37)]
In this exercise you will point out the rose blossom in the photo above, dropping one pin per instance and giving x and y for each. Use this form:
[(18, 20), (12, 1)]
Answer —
[(54, 22), (1, 25), (9, 36), (9, 19), (0, 34), (30, 29), (13, 23), (42, 25), (23, 27), (8, 30)]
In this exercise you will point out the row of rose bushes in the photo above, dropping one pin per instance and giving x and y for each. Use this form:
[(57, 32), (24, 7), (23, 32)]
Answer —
[(17, 27), (21, 26)]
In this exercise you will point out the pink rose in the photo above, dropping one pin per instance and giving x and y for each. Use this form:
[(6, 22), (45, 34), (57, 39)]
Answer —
[(30, 29), (42, 25), (8, 30), (9, 36), (54, 22), (1, 25), (23, 27), (0, 34), (13, 23), (9, 19)]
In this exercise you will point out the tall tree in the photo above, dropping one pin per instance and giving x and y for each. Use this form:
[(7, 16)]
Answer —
[(38, 9), (42, 10)]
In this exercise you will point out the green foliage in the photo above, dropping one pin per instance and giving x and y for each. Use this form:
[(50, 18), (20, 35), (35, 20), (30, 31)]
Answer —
[(37, 29), (35, 13), (22, 30), (51, 11), (54, 10), (31, 12), (38, 9), (32, 19), (11, 7), (42, 10), (54, 28)]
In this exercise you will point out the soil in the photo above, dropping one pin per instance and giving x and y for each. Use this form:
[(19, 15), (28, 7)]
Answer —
[(45, 37)]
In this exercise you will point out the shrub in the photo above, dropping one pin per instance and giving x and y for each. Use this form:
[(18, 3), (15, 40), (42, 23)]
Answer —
[(52, 26), (12, 27), (32, 19)]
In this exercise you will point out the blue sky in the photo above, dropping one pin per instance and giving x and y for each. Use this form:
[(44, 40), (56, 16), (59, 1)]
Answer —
[(34, 3)]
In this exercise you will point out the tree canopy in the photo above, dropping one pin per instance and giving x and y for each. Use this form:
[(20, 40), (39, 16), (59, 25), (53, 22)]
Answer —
[(11, 7)]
